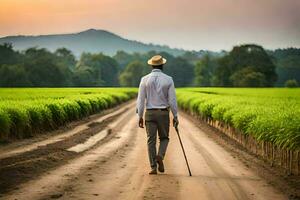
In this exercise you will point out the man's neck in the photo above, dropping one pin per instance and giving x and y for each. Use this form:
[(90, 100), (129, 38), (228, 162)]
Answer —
[(156, 70)]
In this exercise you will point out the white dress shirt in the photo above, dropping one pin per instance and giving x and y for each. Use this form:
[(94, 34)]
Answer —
[(158, 90)]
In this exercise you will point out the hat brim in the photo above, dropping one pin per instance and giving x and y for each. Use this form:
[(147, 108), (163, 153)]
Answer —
[(164, 61)]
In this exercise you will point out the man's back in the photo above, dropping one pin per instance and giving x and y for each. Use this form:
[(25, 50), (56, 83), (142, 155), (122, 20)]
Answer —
[(157, 86), (158, 90)]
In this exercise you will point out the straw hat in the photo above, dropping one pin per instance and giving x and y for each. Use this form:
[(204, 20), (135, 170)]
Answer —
[(157, 60)]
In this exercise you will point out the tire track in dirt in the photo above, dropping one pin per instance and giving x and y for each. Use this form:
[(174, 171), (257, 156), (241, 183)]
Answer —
[(216, 175), (22, 167), (123, 174), (10, 150), (118, 168)]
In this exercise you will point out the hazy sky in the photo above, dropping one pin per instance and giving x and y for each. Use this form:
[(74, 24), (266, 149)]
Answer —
[(188, 24)]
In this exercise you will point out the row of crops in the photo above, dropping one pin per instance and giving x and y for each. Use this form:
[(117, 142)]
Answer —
[(25, 112), (270, 115)]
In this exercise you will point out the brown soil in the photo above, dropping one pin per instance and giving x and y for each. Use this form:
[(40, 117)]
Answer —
[(22, 167), (117, 168)]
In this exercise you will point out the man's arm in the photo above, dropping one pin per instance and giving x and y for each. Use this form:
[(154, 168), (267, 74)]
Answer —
[(141, 103), (173, 103)]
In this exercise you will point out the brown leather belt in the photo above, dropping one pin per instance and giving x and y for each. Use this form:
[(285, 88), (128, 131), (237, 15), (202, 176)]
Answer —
[(161, 109)]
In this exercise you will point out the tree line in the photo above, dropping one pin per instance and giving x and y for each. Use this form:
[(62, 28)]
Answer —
[(249, 65), (244, 66)]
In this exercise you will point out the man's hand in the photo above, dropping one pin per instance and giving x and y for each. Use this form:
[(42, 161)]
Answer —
[(141, 122), (175, 122)]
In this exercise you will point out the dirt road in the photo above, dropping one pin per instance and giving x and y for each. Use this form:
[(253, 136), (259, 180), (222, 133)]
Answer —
[(111, 163)]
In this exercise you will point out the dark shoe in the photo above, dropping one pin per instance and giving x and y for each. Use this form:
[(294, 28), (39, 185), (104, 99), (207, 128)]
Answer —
[(160, 162), (153, 171)]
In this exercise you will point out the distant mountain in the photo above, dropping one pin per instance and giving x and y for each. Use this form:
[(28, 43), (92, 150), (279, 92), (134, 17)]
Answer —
[(87, 41)]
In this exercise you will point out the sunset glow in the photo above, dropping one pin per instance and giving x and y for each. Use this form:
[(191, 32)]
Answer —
[(191, 24)]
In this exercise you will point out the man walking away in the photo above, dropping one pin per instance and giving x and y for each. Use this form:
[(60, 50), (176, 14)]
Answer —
[(158, 90)]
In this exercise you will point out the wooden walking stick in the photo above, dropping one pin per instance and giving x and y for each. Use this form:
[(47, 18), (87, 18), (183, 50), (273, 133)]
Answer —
[(187, 164)]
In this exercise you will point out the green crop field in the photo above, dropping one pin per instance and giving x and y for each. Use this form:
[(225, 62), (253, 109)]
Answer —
[(270, 114), (24, 112)]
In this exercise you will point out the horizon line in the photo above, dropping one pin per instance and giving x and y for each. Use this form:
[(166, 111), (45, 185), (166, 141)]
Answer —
[(144, 42)]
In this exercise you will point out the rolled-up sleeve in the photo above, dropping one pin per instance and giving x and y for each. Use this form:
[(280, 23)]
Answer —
[(172, 99), (141, 99)]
